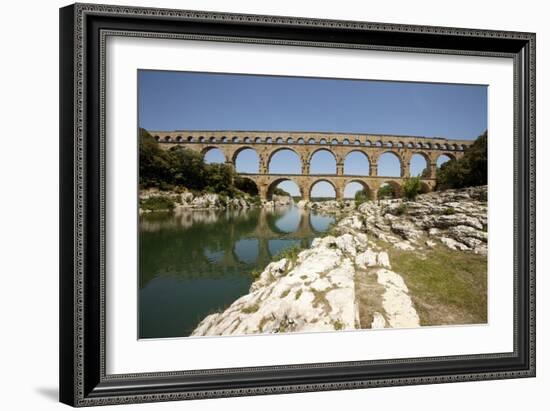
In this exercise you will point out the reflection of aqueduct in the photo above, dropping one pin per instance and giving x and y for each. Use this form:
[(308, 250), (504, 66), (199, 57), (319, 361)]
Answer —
[(264, 231), (306, 144)]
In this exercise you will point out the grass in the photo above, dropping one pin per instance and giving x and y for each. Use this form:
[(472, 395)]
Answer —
[(290, 254), (250, 309), (320, 298), (256, 273), (285, 293), (402, 209), (338, 325), (369, 296), (448, 287)]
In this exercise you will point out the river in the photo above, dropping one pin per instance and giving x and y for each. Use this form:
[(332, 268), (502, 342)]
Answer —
[(196, 262)]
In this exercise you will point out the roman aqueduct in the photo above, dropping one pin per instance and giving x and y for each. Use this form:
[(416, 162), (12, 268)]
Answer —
[(307, 144)]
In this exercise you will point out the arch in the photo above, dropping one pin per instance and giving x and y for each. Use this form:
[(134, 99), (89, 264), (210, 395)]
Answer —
[(357, 143), (157, 138), (379, 144), (400, 144), (269, 140), (351, 189), (345, 142), (246, 160), (387, 165), (395, 192), (311, 141), (275, 183), (437, 146), (201, 139), (290, 162), (410, 145), (279, 140), (167, 139), (320, 163), (212, 139), (257, 140), (419, 165), (247, 140), (290, 140), (323, 141), (323, 190), (334, 142), (357, 163), (224, 139), (300, 141), (235, 139), (368, 143), (179, 139), (212, 154), (389, 144)]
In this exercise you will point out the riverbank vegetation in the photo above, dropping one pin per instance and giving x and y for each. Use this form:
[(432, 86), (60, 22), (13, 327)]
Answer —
[(171, 170), (468, 171)]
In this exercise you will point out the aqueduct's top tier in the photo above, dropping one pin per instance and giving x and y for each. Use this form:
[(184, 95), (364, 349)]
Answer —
[(306, 144)]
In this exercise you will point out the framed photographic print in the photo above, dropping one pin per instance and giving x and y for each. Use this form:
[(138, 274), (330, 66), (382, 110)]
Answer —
[(261, 204)]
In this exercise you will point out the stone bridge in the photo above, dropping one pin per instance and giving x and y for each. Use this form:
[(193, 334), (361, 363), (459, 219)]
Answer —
[(307, 144)]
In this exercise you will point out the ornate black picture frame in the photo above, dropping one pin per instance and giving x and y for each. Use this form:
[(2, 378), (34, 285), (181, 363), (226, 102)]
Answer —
[(83, 29)]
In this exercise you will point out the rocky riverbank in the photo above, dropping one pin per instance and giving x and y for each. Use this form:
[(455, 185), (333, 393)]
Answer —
[(386, 264), (188, 200)]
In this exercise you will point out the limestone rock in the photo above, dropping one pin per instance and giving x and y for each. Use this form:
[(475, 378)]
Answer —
[(378, 321), (454, 245), (396, 301)]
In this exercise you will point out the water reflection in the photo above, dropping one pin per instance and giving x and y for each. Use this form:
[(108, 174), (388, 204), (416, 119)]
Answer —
[(195, 262)]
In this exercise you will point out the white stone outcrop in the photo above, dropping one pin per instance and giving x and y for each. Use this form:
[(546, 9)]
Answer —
[(317, 291)]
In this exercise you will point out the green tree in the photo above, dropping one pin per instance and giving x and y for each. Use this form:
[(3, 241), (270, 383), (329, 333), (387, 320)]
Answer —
[(386, 191), (468, 171), (154, 164), (411, 187), (187, 168), (361, 196), (278, 191), (246, 185), (425, 173), (219, 179)]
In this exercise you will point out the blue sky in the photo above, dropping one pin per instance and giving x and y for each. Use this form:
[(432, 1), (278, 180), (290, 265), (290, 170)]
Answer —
[(170, 100)]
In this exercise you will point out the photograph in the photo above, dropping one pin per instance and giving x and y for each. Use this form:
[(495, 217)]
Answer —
[(279, 204)]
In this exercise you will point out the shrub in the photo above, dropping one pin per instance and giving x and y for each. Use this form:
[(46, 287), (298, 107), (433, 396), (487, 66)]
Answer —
[(361, 196), (449, 211), (402, 209), (158, 203), (386, 191), (411, 187)]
